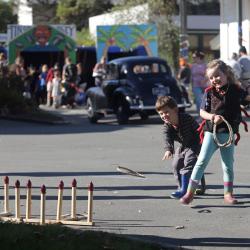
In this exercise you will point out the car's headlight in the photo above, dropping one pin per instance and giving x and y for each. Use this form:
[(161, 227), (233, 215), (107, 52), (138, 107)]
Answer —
[(129, 99), (133, 100)]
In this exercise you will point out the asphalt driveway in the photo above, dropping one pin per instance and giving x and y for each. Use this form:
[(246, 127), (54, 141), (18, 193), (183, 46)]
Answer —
[(124, 204)]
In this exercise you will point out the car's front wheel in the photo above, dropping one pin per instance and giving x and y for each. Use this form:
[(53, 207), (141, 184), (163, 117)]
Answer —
[(92, 115), (122, 111), (144, 116)]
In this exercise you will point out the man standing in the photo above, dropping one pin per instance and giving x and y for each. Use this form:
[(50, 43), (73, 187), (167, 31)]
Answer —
[(69, 78), (244, 62), (234, 64)]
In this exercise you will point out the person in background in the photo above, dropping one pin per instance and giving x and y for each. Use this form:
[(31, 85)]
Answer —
[(234, 64), (69, 77), (3, 65), (184, 74), (184, 78), (81, 78), (41, 89), (28, 83), (81, 84), (49, 79), (33, 77), (244, 62), (99, 71), (18, 68), (198, 74), (56, 88)]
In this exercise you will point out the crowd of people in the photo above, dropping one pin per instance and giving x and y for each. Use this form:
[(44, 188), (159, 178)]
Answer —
[(51, 86), (54, 86)]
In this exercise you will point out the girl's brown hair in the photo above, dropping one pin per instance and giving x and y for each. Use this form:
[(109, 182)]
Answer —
[(223, 67)]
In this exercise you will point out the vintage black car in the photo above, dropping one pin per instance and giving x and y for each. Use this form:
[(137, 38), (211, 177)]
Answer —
[(132, 85)]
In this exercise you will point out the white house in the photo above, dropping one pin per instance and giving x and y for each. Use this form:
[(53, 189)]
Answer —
[(24, 13), (235, 18)]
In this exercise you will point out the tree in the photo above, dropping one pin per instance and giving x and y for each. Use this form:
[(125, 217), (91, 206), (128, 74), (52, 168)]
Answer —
[(44, 11), (7, 15), (79, 11), (83, 37), (161, 14)]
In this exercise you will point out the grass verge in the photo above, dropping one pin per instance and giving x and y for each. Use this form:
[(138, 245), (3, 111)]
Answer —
[(56, 237)]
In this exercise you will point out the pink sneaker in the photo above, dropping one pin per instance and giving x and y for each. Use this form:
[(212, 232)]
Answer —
[(229, 199), (187, 198)]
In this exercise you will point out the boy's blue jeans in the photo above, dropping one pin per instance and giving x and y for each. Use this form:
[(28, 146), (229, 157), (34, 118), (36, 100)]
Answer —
[(227, 159)]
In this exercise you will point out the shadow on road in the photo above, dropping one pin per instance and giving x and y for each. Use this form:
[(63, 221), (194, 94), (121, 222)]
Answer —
[(202, 242), (76, 125), (90, 173)]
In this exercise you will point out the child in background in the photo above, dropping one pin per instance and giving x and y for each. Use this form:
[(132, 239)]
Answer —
[(99, 71), (180, 127), (223, 100), (41, 89), (184, 77), (56, 88)]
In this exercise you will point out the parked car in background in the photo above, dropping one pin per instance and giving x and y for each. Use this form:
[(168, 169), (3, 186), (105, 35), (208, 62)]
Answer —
[(131, 86)]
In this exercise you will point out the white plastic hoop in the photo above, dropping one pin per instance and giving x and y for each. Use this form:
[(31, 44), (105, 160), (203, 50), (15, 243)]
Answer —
[(230, 137)]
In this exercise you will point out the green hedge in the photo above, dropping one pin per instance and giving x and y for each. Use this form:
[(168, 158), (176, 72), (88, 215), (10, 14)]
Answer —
[(11, 96)]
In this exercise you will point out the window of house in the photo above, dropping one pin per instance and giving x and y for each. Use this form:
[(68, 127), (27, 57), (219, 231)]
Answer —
[(203, 7)]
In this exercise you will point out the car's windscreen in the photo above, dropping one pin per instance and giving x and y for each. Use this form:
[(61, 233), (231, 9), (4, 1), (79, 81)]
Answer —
[(150, 68)]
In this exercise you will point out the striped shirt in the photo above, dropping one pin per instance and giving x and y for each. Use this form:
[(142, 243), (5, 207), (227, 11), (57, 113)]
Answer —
[(186, 134)]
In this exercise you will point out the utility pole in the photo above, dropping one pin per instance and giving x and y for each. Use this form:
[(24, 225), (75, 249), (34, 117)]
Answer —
[(184, 44), (240, 23)]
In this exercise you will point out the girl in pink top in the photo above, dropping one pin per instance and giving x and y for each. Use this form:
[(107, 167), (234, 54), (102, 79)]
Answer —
[(199, 81)]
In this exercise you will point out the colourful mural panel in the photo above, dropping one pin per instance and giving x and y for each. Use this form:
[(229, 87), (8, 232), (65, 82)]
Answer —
[(42, 38), (126, 37)]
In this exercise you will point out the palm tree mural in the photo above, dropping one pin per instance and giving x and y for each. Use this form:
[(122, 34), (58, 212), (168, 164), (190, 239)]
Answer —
[(111, 37), (143, 37)]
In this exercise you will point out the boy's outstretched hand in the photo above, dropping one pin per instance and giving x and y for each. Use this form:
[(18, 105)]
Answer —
[(167, 155)]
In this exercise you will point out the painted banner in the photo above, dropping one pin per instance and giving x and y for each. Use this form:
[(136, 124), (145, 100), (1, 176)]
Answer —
[(42, 38), (14, 30), (126, 38)]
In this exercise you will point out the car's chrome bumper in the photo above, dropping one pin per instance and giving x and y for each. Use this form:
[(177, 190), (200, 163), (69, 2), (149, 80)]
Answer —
[(150, 107)]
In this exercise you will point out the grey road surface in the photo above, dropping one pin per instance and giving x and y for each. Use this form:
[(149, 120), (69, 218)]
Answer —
[(124, 204)]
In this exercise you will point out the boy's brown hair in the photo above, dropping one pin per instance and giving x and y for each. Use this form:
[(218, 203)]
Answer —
[(165, 101)]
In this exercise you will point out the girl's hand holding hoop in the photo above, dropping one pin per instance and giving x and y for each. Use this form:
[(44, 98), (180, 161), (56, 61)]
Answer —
[(219, 120)]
